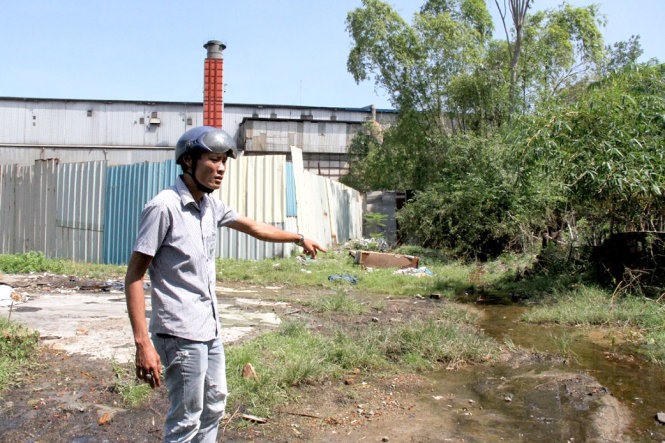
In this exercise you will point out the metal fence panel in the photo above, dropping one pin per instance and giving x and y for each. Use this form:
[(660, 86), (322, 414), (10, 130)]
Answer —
[(328, 211), (27, 199), (128, 189), (90, 211), (345, 206), (80, 211), (254, 186), (7, 203)]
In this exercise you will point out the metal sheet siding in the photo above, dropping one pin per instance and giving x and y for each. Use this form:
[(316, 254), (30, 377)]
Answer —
[(254, 187), (127, 190), (291, 206), (80, 211), (26, 156), (90, 211), (117, 123), (330, 213), (27, 199), (90, 123)]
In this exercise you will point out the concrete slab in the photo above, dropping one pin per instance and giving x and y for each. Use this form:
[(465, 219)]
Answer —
[(97, 325)]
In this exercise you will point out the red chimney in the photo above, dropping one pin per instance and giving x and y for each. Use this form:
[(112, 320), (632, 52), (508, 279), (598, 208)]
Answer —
[(213, 84)]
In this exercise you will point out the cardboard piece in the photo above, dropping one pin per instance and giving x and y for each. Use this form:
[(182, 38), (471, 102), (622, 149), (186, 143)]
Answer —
[(371, 259)]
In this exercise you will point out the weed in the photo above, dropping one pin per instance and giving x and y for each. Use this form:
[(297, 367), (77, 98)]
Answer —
[(563, 343), (132, 391), (19, 347), (375, 222), (340, 303), (589, 305)]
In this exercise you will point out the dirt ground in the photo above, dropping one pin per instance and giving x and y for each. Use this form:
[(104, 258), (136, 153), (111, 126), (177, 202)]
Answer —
[(72, 396)]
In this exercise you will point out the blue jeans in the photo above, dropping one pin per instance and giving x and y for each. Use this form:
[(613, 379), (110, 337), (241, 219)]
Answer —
[(195, 376)]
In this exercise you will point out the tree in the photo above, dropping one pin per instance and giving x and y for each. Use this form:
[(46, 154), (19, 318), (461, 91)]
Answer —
[(623, 54), (482, 184), (561, 47), (518, 10), (415, 64), (604, 152)]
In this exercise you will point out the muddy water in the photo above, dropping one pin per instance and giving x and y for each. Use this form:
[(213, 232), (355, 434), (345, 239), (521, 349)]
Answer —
[(638, 386)]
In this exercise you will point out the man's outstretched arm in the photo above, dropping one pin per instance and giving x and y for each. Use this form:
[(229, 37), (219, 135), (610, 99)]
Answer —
[(266, 232)]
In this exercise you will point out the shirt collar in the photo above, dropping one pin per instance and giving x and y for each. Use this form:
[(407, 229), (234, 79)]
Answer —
[(186, 196)]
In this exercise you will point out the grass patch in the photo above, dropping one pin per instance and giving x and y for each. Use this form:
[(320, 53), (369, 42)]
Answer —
[(340, 303), (295, 355), (450, 278), (37, 262), (589, 305), (19, 348)]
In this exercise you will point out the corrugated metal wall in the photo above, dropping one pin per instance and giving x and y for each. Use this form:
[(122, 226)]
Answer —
[(128, 188), (256, 188), (27, 206), (57, 209), (272, 135), (90, 211), (80, 211)]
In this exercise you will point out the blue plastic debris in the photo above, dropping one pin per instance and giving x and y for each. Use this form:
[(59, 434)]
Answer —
[(346, 277)]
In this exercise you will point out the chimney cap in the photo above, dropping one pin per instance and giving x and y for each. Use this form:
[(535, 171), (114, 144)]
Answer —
[(215, 48)]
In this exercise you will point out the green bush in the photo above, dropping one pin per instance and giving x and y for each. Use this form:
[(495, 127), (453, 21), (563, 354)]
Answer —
[(23, 263)]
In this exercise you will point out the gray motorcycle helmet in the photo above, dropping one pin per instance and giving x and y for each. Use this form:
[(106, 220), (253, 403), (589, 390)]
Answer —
[(205, 139)]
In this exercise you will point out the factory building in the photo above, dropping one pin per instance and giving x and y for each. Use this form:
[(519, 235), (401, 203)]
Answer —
[(74, 173), (127, 132)]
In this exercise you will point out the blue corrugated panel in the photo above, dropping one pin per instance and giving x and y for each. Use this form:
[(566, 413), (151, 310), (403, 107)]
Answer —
[(291, 206), (128, 189)]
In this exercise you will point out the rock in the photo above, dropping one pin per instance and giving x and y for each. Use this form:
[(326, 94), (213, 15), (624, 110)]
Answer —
[(661, 417), (106, 413), (104, 419), (74, 406)]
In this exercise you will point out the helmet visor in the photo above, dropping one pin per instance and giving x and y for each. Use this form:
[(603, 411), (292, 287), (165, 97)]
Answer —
[(217, 141)]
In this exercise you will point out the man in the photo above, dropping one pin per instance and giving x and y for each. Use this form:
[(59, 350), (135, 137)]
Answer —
[(176, 244)]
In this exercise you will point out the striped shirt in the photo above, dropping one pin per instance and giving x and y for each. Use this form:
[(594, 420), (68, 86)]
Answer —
[(180, 234)]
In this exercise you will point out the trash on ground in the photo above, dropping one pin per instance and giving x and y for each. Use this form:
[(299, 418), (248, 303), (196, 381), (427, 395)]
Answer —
[(373, 244), (416, 272), (8, 296), (254, 418), (346, 277)]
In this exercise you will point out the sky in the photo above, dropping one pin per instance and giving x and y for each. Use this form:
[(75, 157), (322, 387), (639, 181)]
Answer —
[(286, 52)]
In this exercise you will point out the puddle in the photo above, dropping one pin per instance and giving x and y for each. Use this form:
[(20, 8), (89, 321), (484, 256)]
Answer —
[(26, 309), (637, 385)]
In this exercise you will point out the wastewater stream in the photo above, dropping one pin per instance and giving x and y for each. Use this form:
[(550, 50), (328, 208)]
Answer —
[(598, 390)]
